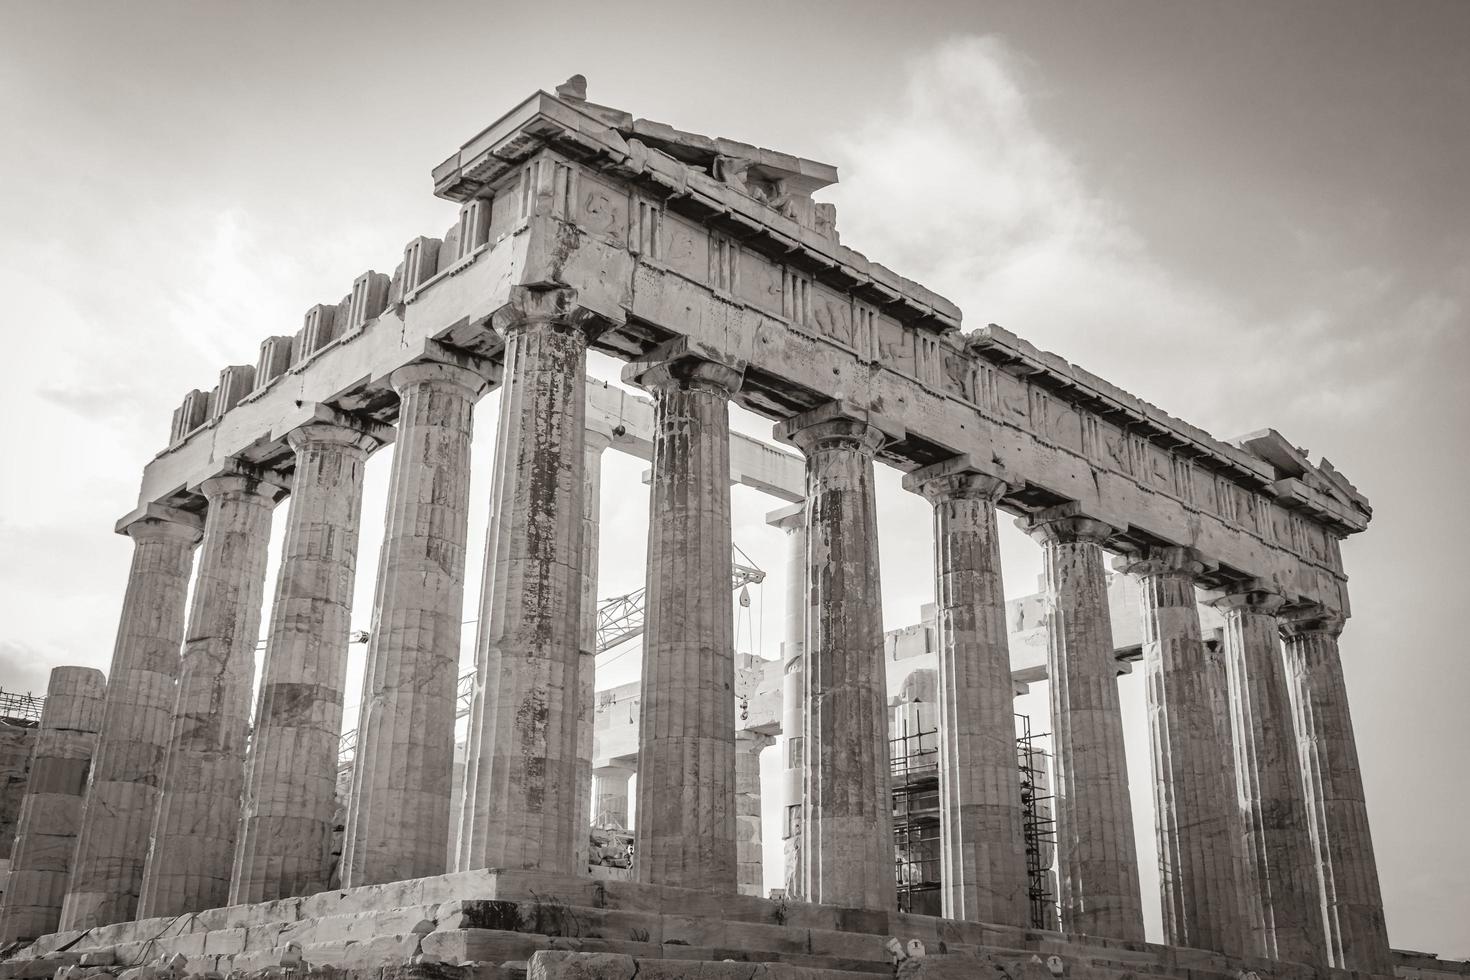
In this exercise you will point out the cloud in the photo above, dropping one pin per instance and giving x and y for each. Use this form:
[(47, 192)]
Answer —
[(958, 184)]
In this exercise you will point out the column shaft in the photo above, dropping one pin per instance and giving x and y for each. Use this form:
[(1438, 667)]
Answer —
[(122, 791), (847, 826), (284, 842), (749, 854), (1201, 884), (398, 806), (587, 696), (1269, 782), (983, 851), (521, 771), (1096, 857), (610, 793), (193, 842), (793, 698), (686, 749), (46, 834), (1357, 938)]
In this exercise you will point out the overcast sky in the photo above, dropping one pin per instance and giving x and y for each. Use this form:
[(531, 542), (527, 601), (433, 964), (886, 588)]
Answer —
[(1250, 214)]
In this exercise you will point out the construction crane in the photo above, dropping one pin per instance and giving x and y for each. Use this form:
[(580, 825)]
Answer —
[(619, 619)]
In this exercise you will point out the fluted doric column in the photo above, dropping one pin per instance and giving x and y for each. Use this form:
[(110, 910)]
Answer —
[(398, 806), (46, 833), (847, 826), (521, 772), (610, 795), (1097, 868), (1352, 904), (982, 847), (749, 852), (1201, 862), (792, 520), (284, 843), (596, 443), (193, 843), (122, 792), (686, 748), (1268, 778)]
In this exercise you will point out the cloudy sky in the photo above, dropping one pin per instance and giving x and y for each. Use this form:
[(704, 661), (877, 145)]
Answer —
[(1252, 215)]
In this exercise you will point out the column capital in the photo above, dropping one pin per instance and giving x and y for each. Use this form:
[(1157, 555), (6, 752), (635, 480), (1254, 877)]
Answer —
[(1255, 598), (154, 521), (596, 440), (529, 306), (688, 365), (753, 741), (1066, 524), (234, 474), (217, 488), (1310, 620), (956, 478), (331, 427), (839, 425), (1162, 560), (790, 518), (475, 382)]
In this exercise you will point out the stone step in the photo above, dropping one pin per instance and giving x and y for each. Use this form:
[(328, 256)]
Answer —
[(567, 965)]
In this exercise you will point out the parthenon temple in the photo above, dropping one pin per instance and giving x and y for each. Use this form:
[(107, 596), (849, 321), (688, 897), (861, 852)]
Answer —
[(183, 815)]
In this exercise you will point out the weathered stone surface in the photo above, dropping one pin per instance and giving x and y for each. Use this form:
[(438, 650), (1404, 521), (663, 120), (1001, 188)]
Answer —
[(1097, 867), (521, 772), (1268, 779), (192, 846), (286, 818), (792, 520), (749, 853), (1201, 861), (1357, 938), (122, 790), (847, 826), (610, 795), (983, 853), (51, 811), (398, 806), (592, 449), (686, 750)]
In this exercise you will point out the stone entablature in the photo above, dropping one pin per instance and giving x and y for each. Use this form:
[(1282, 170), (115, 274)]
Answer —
[(560, 191)]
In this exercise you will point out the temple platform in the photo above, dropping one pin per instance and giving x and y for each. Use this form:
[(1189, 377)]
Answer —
[(494, 924)]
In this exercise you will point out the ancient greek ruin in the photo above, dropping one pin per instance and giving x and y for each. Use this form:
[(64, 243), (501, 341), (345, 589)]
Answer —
[(184, 817)]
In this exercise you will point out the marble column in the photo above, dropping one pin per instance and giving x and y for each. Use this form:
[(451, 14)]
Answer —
[(847, 826), (1268, 779), (592, 451), (1356, 936), (284, 842), (193, 839), (749, 854), (402, 779), (686, 748), (610, 795), (1097, 868), (982, 847), (792, 520), (520, 802), (46, 833), (127, 768), (1201, 883)]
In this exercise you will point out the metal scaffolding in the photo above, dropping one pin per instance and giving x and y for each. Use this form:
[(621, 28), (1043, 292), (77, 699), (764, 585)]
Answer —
[(914, 762), (21, 707), (1038, 824)]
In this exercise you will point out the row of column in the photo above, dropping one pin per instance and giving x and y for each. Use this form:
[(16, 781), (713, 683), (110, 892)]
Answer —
[(170, 765)]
